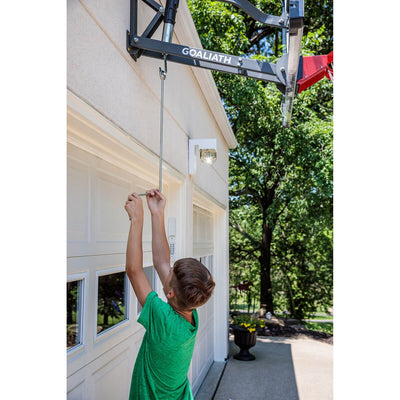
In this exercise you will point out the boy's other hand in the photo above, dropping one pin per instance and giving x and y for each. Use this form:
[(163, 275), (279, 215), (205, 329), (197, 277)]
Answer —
[(134, 208), (156, 201)]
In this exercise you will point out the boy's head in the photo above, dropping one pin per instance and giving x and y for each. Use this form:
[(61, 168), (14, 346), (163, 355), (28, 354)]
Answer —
[(191, 282)]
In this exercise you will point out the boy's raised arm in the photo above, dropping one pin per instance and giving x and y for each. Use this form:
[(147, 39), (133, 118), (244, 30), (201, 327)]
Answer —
[(160, 248), (134, 250)]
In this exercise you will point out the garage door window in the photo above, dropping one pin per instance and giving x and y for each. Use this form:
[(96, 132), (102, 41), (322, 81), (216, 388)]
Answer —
[(150, 273), (111, 301), (74, 313), (208, 262)]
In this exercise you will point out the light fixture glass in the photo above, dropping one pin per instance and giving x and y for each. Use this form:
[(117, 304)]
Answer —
[(208, 156)]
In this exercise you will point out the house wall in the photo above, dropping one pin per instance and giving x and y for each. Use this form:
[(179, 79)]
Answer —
[(113, 147)]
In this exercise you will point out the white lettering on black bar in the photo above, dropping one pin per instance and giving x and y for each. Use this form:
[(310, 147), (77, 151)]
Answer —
[(206, 55)]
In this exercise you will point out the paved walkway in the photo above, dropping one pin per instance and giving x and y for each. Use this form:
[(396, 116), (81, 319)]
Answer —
[(284, 369)]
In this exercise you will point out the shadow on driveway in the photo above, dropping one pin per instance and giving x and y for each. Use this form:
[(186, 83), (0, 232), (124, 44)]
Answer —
[(270, 376)]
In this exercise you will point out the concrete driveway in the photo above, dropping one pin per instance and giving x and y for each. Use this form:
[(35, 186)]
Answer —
[(284, 369)]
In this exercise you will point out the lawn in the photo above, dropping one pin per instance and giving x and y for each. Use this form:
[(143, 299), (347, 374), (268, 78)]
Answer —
[(326, 327)]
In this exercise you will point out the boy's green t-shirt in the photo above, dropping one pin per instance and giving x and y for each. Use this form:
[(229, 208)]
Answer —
[(164, 357)]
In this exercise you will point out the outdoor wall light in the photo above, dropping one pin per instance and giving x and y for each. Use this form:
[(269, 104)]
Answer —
[(208, 152)]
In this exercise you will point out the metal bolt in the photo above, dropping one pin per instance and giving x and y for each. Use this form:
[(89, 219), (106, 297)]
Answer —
[(161, 10), (282, 69), (135, 39), (281, 21), (129, 49)]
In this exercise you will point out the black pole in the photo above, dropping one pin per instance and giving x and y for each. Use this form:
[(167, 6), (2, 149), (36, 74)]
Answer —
[(170, 11), (169, 19), (133, 11)]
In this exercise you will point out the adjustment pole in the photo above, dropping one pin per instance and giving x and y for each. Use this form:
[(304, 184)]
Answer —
[(169, 20), (163, 75)]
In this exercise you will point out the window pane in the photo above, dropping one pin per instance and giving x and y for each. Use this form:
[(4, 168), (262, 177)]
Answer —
[(208, 262), (74, 295), (149, 271), (111, 302)]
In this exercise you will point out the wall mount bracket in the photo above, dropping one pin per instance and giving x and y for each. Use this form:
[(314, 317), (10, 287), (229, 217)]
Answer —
[(284, 73)]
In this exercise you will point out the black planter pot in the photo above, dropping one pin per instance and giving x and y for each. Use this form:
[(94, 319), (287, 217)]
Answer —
[(244, 340)]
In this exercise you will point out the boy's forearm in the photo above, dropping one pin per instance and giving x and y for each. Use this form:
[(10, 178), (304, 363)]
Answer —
[(160, 247), (134, 249)]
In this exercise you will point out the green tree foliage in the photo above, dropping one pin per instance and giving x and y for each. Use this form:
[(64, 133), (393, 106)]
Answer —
[(280, 179)]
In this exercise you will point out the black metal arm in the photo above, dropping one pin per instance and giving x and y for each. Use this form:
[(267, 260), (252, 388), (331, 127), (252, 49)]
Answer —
[(270, 20)]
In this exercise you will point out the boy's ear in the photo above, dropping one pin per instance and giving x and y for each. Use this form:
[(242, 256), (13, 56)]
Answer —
[(171, 294)]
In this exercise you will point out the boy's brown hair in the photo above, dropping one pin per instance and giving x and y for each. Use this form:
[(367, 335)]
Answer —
[(192, 283)]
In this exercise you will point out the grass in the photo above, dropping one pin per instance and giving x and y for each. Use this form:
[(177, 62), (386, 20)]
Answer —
[(326, 327), (325, 316), (111, 320), (241, 305)]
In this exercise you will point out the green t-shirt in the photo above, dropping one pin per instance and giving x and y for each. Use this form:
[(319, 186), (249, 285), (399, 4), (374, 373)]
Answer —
[(164, 357)]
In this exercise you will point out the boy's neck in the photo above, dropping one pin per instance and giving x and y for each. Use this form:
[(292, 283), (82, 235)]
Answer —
[(187, 314)]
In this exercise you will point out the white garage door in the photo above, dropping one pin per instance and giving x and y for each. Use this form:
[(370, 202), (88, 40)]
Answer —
[(203, 249), (103, 337)]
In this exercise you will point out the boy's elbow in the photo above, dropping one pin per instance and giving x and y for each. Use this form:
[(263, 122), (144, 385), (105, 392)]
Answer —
[(130, 269)]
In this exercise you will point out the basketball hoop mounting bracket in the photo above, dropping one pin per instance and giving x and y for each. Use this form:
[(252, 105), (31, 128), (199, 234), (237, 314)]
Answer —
[(280, 73)]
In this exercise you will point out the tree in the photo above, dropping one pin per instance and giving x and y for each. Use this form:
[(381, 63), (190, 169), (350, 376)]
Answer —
[(302, 249), (275, 173)]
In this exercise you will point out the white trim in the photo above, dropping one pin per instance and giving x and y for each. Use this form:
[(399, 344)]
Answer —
[(221, 278), (203, 199)]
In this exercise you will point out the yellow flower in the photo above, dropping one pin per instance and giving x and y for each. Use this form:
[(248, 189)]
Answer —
[(252, 329)]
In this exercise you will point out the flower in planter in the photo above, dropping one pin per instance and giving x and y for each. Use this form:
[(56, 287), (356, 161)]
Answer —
[(248, 322), (245, 329)]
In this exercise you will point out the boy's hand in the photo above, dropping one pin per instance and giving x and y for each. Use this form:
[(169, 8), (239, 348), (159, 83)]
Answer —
[(156, 201), (134, 208)]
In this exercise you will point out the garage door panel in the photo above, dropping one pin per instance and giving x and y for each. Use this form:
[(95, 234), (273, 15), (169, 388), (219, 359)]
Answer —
[(203, 232), (97, 192), (110, 216), (112, 380), (78, 392)]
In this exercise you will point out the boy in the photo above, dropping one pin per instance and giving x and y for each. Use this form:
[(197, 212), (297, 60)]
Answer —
[(164, 357)]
